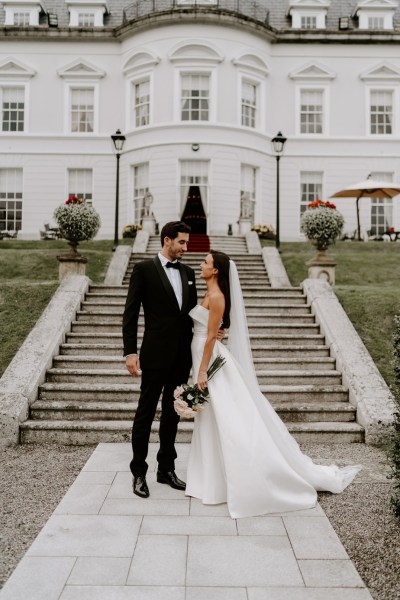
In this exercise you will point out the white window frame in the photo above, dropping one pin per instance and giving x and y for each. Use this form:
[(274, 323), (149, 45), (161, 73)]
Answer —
[(76, 8), (88, 16), (318, 175), (146, 188), (365, 15), (260, 99), (211, 73), (83, 194), (305, 21), (14, 84), (395, 110), (325, 109), (299, 13), (130, 109), (15, 199), (253, 191), (81, 85)]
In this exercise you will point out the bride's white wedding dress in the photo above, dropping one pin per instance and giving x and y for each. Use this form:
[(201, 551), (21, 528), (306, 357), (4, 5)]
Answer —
[(241, 452)]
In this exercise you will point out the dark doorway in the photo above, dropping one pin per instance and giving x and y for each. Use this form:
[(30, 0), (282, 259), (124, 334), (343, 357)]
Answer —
[(193, 213)]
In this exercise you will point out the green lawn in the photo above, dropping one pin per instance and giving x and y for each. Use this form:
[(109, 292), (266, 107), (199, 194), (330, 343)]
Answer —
[(367, 285), (29, 277)]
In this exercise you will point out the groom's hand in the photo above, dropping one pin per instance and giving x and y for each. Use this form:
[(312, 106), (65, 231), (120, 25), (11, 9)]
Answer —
[(220, 334), (133, 365)]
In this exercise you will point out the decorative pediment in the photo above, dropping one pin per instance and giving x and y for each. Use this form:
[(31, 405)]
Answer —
[(251, 62), (80, 69), (14, 69), (381, 72), (140, 61), (195, 52), (312, 72), (372, 5)]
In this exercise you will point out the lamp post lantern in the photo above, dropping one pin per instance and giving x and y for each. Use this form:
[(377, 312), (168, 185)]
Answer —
[(118, 141), (278, 144)]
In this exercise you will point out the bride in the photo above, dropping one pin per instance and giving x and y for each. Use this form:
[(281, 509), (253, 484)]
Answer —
[(241, 452)]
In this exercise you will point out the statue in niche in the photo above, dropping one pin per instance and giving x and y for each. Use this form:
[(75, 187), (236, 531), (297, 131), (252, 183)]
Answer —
[(245, 206), (147, 202)]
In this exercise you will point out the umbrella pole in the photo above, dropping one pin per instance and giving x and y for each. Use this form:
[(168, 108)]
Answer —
[(358, 219)]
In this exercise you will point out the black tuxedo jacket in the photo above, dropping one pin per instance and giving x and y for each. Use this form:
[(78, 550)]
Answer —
[(168, 329)]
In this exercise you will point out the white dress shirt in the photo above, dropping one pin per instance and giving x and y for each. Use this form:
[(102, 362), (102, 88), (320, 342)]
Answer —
[(174, 277)]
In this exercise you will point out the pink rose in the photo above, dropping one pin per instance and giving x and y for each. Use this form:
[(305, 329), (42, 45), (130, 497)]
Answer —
[(178, 392)]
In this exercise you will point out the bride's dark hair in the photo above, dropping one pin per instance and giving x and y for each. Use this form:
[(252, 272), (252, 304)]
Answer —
[(221, 262)]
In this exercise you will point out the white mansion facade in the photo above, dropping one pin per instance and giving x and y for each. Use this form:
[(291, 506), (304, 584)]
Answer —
[(198, 89)]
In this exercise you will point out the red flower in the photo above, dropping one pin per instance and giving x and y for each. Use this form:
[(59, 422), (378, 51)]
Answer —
[(391, 230), (318, 203), (73, 200)]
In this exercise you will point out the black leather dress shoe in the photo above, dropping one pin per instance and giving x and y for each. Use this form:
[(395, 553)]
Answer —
[(139, 487), (170, 478)]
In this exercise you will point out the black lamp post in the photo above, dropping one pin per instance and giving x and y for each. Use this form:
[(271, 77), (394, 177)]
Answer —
[(278, 143), (118, 141)]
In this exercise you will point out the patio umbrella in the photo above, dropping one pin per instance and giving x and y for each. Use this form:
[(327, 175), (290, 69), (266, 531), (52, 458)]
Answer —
[(369, 188)]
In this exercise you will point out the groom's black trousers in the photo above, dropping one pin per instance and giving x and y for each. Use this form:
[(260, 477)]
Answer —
[(153, 383)]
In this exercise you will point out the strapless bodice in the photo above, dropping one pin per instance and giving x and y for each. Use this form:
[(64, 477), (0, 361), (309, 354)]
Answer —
[(199, 315)]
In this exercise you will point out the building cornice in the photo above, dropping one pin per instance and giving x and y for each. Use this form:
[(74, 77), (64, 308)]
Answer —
[(212, 17)]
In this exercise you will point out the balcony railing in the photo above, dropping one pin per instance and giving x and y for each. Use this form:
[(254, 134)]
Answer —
[(246, 8)]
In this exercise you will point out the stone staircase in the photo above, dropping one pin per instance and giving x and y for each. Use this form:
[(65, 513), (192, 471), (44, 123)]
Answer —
[(234, 244), (89, 397)]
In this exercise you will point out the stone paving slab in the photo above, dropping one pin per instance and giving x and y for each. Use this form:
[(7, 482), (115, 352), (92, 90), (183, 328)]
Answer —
[(104, 543)]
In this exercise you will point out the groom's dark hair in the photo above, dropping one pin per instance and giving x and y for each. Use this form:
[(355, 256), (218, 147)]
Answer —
[(221, 262), (172, 229)]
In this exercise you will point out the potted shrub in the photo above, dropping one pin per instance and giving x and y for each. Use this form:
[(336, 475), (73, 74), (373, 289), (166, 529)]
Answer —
[(78, 222), (130, 231), (322, 224), (264, 232)]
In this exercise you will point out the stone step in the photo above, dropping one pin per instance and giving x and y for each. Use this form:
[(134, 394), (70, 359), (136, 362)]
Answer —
[(121, 376), (117, 362), (250, 298), (256, 340), (258, 310), (107, 349), (99, 392), (195, 258), (121, 411), (273, 328), (94, 432)]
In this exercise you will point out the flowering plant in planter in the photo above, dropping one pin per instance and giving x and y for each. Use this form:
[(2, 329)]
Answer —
[(266, 232), (78, 222), (322, 224), (130, 231)]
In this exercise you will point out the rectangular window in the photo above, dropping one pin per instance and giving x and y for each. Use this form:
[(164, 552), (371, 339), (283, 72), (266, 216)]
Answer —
[(141, 186), (309, 22), (247, 191), (22, 18), (194, 174), (13, 102), (376, 23), (10, 199), (82, 110), (381, 112), (310, 188), (249, 104), (311, 111), (86, 20), (142, 103), (80, 183), (381, 208), (195, 99)]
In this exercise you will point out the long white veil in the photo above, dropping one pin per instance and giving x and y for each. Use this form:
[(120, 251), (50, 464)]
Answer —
[(321, 477)]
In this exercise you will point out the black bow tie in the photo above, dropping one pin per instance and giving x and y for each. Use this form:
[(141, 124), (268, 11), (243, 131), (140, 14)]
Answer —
[(172, 265)]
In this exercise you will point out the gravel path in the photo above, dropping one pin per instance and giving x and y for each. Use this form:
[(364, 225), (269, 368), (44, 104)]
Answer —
[(35, 478)]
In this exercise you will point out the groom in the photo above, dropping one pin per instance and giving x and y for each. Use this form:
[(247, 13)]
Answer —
[(167, 290)]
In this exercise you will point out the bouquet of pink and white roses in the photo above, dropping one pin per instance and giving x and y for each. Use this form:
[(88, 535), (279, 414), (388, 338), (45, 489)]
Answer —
[(189, 399)]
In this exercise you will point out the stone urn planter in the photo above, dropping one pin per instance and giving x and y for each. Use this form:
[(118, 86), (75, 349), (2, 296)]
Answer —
[(78, 222), (322, 224)]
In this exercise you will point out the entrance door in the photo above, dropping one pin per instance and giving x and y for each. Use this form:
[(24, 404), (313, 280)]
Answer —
[(193, 213)]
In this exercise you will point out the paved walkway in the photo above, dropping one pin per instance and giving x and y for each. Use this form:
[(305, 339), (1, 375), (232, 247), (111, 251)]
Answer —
[(104, 543)]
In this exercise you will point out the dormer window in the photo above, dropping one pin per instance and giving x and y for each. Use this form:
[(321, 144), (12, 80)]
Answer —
[(86, 19), (375, 14), (22, 13), (308, 14), (87, 13)]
